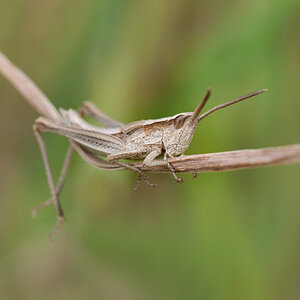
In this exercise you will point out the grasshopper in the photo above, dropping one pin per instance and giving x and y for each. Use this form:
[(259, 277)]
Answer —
[(148, 139)]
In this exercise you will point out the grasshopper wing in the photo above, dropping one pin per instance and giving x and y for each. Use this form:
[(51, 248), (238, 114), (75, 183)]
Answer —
[(100, 142)]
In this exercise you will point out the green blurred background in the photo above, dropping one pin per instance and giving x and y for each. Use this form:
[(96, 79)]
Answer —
[(232, 235)]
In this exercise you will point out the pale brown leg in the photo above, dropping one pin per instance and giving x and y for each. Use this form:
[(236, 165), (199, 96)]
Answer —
[(122, 155), (46, 203), (142, 176), (150, 157), (147, 162), (60, 182), (128, 154), (172, 169), (64, 170), (137, 183), (54, 197)]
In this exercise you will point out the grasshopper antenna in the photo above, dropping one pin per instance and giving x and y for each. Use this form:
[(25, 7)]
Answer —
[(228, 103), (201, 105)]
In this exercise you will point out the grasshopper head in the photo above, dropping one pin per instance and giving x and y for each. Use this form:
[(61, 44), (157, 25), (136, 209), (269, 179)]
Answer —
[(181, 130), (179, 135)]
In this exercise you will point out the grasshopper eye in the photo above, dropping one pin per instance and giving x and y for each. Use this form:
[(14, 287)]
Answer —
[(179, 121)]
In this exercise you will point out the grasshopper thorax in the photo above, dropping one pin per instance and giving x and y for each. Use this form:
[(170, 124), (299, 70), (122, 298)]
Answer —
[(178, 133)]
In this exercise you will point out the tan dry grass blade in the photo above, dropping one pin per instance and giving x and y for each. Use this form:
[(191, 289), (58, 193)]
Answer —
[(231, 160), (28, 89)]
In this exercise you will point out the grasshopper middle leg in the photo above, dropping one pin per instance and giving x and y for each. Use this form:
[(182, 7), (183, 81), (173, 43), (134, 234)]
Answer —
[(152, 155), (131, 154)]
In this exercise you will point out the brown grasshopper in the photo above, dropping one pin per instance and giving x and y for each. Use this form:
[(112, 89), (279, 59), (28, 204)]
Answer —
[(147, 140), (170, 136)]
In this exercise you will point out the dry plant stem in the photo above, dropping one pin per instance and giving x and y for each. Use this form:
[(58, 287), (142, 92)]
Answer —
[(227, 161), (91, 110), (28, 89)]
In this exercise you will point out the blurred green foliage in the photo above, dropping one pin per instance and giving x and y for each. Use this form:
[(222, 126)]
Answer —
[(232, 235)]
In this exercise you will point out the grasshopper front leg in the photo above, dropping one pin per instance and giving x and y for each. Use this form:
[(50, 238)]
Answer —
[(172, 169), (152, 155)]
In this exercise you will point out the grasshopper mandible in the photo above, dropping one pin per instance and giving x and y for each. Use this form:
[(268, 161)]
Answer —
[(147, 140)]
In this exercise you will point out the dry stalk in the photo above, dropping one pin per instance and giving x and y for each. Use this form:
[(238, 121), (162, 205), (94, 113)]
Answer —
[(230, 160)]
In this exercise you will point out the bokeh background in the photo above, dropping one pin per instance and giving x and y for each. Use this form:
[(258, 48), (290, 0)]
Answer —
[(232, 235)]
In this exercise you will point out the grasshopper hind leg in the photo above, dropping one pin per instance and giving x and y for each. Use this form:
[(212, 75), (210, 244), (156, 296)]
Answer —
[(59, 184), (54, 192)]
